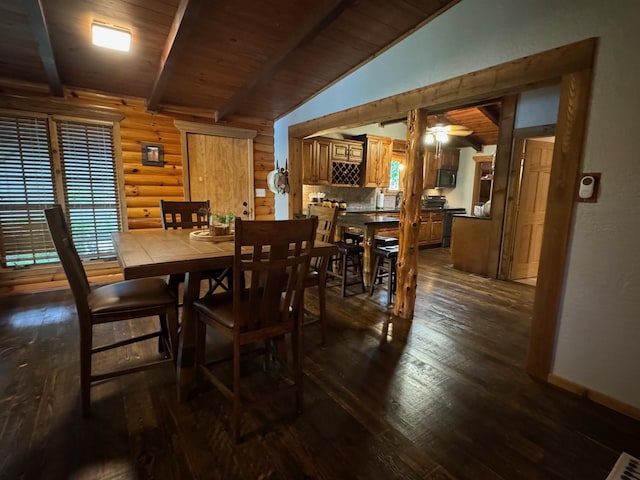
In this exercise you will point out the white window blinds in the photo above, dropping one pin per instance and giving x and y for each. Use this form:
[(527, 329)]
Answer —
[(26, 188), (90, 186), (87, 183)]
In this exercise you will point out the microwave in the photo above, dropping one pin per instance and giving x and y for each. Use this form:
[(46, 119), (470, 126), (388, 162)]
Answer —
[(446, 178)]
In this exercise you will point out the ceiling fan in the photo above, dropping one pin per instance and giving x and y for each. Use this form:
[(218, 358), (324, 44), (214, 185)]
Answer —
[(438, 133), (440, 129)]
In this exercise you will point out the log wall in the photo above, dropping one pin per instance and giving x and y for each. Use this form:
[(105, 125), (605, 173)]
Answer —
[(144, 186)]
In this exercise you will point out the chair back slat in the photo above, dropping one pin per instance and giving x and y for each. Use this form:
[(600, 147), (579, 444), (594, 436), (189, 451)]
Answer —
[(178, 215), (327, 220), (69, 258), (277, 263)]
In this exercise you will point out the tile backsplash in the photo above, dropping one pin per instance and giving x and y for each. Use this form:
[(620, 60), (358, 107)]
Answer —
[(356, 197)]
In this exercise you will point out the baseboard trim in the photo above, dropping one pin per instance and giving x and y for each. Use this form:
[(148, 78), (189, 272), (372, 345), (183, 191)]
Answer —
[(594, 396)]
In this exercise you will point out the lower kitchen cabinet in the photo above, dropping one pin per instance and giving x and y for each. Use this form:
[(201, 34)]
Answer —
[(431, 227)]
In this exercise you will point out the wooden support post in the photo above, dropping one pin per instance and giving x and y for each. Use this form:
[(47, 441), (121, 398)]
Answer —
[(407, 266)]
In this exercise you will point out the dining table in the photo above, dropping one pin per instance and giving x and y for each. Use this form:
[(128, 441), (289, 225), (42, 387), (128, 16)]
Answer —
[(369, 224), (164, 252)]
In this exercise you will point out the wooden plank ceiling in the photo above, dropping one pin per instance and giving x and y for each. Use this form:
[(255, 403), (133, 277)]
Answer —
[(244, 57)]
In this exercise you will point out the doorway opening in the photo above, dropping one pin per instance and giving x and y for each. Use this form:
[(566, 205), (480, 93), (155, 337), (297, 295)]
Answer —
[(532, 159)]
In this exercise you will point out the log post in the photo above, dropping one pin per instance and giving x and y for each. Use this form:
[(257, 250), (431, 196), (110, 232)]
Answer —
[(410, 209)]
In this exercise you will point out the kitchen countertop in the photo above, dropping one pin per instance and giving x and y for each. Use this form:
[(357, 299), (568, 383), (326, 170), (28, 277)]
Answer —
[(382, 211), (466, 215)]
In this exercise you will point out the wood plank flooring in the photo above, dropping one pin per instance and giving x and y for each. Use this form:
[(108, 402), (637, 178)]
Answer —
[(445, 397)]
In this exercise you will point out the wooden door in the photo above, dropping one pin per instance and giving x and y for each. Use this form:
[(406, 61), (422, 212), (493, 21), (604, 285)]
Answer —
[(531, 207), (221, 171)]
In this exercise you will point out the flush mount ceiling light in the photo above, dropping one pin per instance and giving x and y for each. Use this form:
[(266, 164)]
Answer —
[(108, 36)]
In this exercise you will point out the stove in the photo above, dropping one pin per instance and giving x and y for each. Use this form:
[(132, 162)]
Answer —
[(434, 201)]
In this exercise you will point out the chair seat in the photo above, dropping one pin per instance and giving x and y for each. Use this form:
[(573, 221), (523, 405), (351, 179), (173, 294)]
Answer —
[(130, 295), (387, 251), (385, 241), (219, 308), (349, 248), (312, 278)]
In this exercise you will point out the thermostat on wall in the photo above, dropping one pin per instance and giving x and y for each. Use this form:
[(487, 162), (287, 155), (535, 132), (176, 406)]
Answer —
[(588, 188)]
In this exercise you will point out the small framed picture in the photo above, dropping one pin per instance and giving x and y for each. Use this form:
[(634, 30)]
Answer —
[(152, 154)]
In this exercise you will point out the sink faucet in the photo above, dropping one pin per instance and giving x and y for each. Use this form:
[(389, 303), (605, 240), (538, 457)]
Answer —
[(398, 199)]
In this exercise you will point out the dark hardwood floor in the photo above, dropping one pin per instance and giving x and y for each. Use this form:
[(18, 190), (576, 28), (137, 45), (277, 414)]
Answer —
[(443, 398)]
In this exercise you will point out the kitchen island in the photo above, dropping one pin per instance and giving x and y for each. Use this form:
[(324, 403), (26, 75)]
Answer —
[(470, 242)]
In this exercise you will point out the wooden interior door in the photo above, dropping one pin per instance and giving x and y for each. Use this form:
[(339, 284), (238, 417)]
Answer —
[(532, 206), (221, 171)]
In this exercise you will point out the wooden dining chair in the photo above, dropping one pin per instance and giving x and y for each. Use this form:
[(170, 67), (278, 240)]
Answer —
[(124, 300), (327, 219), (192, 215), (276, 259)]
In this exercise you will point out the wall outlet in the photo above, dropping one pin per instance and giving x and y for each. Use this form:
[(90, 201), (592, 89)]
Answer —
[(261, 192)]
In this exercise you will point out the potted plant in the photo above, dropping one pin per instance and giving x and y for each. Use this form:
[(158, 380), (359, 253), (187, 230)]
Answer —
[(223, 223)]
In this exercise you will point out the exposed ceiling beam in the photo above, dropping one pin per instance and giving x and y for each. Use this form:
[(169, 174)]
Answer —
[(45, 49), (468, 141), (186, 17), (309, 28), (492, 112), (392, 121)]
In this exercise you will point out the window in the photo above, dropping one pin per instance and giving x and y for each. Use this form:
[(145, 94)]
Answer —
[(80, 174), (394, 179)]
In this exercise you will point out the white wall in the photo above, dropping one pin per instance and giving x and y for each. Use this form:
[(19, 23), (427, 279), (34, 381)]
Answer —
[(599, 330)]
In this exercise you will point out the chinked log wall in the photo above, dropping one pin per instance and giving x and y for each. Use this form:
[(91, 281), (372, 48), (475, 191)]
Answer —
[(144, 185)]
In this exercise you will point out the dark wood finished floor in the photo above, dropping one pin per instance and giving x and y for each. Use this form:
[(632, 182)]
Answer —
[(443, 398)]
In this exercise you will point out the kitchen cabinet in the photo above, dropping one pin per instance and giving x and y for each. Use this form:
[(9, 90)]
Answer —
[(431, 228), (344, 151), (470, 244), (319, 155), (316, 167), (377, 160), (449, 160), (389, 232)]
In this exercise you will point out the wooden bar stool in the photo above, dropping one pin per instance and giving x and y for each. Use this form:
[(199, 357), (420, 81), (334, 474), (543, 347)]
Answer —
[(385, 267), (385, 241), (349, 266), (381, 241)]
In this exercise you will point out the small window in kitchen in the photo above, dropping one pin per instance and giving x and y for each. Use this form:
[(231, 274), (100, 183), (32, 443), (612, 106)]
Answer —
[(394, 179)]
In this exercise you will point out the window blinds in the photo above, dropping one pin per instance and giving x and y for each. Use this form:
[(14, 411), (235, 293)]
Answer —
[(90, 186), (28, 185), (26, 188)]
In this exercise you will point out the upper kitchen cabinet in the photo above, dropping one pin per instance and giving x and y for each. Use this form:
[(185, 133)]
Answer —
[(377, 160), (316, 163), (448, 160), (329, 161), (344, 151)]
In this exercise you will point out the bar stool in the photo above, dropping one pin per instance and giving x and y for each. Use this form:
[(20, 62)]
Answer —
[(381, 241), (349, 269), (382, 269)]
